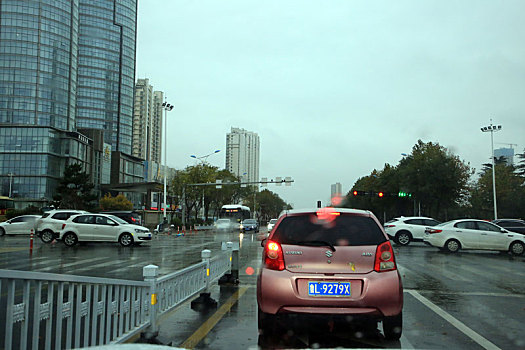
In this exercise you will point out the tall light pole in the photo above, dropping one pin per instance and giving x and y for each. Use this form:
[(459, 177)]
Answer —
[(167, 107), (204, 160), (493, 128), (10, 183)]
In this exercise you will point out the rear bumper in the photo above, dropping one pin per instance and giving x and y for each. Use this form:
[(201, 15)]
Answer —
[(374, 294)]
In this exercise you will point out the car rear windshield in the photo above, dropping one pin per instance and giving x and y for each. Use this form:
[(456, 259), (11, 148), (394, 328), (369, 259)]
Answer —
[(343, 230)]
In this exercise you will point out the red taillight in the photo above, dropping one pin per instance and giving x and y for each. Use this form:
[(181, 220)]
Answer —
[(385, 258), (63, 225), (273, 256), (433, 230), (390, 226), (133, 219)]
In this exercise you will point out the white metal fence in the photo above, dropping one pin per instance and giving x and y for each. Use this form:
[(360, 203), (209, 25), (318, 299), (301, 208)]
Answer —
[(53, 311)]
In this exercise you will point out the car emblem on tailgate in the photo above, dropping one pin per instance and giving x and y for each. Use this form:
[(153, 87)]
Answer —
[(328, 253), (293, 252)]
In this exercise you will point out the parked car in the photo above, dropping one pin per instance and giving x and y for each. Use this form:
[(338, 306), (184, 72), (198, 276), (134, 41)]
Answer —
[(102, 228), (20, 225), (404, 230), (271, 224), (513, 225), (249, 225), (332, 263), (50, 224), (474, 234), (130, 216)]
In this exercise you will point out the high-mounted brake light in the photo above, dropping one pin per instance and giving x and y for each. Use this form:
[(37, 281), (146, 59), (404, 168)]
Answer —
[(273, 256), (385, 258)]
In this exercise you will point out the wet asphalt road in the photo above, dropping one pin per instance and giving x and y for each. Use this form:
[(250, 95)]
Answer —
[(469, 300)]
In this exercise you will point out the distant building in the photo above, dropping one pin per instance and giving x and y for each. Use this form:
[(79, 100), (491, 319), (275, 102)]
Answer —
[(508, 153), (336, 190), (147, 122), (242, 154)]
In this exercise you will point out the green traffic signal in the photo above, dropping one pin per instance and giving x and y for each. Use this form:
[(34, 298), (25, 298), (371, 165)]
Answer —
[(404, 194)]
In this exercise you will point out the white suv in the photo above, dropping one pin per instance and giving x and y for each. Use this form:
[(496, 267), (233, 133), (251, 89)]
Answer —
[(50, 224), (404, 230), (102, 228)]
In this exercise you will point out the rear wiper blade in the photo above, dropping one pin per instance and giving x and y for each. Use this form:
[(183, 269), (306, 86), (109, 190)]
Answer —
[(318, 243)]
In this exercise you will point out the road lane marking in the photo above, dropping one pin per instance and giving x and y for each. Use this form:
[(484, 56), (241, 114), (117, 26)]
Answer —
[(207, 326), (473, 294), (12, 249), (486, 344), (60, 266)]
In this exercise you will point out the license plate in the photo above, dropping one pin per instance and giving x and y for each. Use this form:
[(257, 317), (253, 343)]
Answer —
[(331, 289)]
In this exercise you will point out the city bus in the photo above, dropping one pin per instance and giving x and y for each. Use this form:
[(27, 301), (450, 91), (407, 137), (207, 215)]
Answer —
[(6, 203), (235, 212)]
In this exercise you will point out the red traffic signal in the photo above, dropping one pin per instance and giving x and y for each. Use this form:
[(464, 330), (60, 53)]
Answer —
[(380, 194), (355, 193)]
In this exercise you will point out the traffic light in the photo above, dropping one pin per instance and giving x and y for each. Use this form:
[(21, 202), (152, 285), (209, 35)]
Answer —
[(358, 193), (404, 194), (355, 193), (380, 194)]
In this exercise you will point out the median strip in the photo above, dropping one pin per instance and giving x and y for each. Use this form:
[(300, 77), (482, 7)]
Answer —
[(207, 326)]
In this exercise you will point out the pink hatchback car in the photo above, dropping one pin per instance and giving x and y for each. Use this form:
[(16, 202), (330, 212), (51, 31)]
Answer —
[(329, 262)]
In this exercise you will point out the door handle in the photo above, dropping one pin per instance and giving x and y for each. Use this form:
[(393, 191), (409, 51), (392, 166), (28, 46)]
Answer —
[(483, 234), (458, 231)]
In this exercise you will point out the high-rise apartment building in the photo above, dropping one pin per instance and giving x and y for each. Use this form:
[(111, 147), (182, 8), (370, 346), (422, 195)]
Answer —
[(147, 122), (507, 153), (242, 154), (64, 65), (336, 190)]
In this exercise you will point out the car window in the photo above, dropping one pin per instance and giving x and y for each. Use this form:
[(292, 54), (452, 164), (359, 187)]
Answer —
[(414, 222), (430, 222), (250, 221), (485, 226), (84, 219), (345, 230), (119, 220), (28, 218), (61, 216), (18, 219), (102, 220), (273, 221), (45, 215), (510, 224), (468, 225)]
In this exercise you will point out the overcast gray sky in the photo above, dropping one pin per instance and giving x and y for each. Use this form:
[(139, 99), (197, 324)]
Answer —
[(335, 88)]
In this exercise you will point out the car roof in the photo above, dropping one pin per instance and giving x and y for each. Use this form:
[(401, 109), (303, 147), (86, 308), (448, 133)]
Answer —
[(412, 217)]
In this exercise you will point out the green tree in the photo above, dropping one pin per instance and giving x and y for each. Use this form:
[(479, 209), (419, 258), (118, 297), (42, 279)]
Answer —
[(75, 191), (268, 204), (120, 202)]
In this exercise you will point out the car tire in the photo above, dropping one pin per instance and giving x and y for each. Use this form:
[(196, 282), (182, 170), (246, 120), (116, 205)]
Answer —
[(70, 239), (125, 239), (266, 323), (393, 326), (47, 236), (2, 232), (452, 245), (517, 248), (403, 238)]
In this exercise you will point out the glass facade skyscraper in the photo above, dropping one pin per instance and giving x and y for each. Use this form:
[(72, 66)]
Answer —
[(64, 65), (106, 69)]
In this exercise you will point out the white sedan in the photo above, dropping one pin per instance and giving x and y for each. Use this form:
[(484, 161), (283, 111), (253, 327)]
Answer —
[(474, 234), (20, 225), (102, 228)]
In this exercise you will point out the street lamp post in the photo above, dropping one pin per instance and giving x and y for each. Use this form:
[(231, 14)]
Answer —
[(167, 107), (493, 128), (10, 183)]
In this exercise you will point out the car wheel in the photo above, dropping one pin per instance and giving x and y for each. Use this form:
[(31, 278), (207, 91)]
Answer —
[(2, 231), (393, 326), (70, 239), (125, 239), (452, 245), (266, 323), (517, 248), (47, 236), (403, 238)]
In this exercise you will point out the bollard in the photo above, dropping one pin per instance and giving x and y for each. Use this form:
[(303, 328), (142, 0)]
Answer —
[(31, 242), (232, 276), (204, 302), (149, 273)]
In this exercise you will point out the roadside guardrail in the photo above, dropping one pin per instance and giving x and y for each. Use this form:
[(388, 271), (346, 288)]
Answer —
[(46, 310)]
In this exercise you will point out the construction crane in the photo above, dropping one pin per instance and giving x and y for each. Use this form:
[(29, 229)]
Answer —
[(510, 144)]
